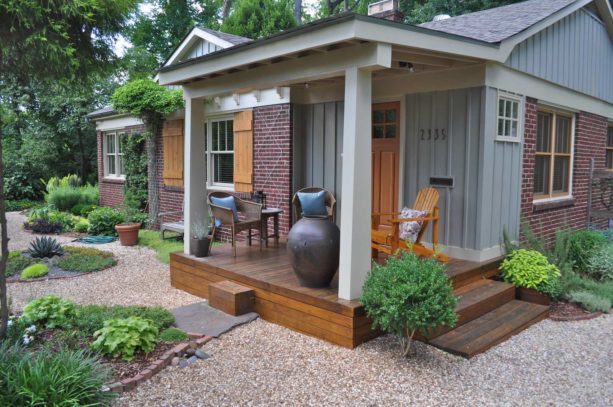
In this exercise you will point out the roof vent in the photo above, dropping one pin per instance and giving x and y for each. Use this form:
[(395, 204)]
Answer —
[(441, 17), (386, 9)]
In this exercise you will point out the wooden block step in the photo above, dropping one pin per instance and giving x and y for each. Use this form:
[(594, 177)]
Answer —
[(463, 276), (477, 299), (491, 329), (231, 298)]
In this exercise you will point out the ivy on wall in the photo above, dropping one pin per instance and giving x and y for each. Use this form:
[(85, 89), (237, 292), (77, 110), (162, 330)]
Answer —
[(135, 167)]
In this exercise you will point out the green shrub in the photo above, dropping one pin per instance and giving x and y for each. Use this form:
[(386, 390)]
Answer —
[(173, 335), (600, 265), (123, 337), (69, 181), (67, 220), (85, 264), (20, 205), (590, 301), (91, 317), (82, 209), (81, 226), (87, 251), (531, 269), (34, 271), (65, 198), (64, 378), (102, 221), (409, 294), (572, 282), (50, 311), (583, 245), (42, 247), (16, 264)]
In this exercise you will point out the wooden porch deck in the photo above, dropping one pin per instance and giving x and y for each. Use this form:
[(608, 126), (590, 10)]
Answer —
[(280, 299)]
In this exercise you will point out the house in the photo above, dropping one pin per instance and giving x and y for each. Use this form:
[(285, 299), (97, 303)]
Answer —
[(501, 110)]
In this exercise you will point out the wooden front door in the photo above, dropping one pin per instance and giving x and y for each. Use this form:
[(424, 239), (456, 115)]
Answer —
[(385, 157)]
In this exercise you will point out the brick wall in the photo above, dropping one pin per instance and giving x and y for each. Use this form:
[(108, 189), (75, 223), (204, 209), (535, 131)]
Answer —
[(589, 142)]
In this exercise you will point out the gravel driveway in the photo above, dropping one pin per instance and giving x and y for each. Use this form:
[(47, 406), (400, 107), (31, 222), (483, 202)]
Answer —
[(139, 278)]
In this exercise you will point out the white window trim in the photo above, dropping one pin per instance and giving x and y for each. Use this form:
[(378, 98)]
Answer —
[(569, 196), (117, 154), (520, 116), (209, 162)]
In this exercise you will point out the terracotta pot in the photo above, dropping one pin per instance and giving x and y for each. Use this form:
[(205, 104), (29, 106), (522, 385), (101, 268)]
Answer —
[(531, 295), (200, 247), (128, 233), (313, 245)]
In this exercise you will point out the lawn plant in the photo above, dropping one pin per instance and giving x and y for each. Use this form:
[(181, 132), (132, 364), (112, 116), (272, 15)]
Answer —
[(124, 337), (407, 295)]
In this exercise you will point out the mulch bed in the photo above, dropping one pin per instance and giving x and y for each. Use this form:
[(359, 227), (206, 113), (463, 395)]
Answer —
[(566, 311)]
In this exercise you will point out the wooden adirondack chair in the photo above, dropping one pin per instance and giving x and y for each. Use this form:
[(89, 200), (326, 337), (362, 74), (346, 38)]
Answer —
[(386, 237)]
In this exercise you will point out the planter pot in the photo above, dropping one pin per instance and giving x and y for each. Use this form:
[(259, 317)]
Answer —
[(313, 245), (531, 295), (200, 247), (128, 233)]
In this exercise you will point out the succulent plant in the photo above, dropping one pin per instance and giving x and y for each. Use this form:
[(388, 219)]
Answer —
[(45, 247)]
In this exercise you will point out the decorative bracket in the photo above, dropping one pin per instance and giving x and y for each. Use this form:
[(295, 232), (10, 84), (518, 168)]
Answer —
[(237, 98)]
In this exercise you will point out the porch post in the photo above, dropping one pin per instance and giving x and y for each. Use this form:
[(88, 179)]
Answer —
[(195, 209), (355, 255)]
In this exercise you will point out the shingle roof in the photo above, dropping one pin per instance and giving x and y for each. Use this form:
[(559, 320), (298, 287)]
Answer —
[(231, 38), (497, 24), (105, 111)]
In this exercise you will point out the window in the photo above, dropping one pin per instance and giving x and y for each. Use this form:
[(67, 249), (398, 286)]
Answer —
[(508, 123), (609, 150), (219, 145), (113, 155), (553, 162)]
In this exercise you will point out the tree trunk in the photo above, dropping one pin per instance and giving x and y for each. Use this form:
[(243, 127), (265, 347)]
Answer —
[(82, 154), (152, 175), (298, 11), (4, 250), (225, 10)]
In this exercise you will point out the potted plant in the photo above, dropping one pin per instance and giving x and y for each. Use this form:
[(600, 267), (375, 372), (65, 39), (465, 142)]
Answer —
[(200, 239), (534, 276), (128, 230)]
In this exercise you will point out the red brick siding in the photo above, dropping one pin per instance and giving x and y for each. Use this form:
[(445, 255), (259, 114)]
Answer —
[(589, 142)]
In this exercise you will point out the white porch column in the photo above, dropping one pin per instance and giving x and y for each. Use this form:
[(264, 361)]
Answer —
[(356, 193), (194, 168)]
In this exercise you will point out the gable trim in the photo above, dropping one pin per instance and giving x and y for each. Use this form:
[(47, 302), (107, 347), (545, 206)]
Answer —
[(192, 37)]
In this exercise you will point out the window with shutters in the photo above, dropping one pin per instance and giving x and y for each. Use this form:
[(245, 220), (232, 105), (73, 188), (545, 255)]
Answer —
[(609, 149), (219, 142), (554, 157), (113, 155)]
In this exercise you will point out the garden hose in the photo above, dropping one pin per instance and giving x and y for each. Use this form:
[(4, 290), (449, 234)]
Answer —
[(96, 239)]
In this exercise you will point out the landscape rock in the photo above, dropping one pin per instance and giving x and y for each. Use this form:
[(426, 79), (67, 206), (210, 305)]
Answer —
[(183, 363), (190, 352), (200, 354), (192, 359), (175, 361)]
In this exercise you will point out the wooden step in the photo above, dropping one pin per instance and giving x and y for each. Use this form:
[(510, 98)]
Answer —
[(477, 299), (462, 276), (231, 298), (491, 329)]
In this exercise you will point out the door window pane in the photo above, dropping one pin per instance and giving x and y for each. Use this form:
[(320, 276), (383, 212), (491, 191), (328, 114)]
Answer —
[(390, 131), (377, 131), (390, 116), (377, 116)]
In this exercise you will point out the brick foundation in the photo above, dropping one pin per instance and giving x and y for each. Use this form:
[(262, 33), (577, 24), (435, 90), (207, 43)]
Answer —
[(589, 142)]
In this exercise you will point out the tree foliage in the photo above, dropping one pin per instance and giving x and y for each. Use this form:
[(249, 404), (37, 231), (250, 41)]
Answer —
[(259, 18)]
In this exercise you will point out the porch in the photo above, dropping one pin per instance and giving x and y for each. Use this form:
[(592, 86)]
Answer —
[(319, 312)]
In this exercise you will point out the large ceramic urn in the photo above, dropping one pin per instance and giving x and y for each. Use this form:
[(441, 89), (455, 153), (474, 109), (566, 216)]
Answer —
[(313, 244)]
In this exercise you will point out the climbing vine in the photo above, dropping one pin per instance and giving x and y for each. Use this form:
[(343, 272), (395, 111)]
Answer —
[(135, 168)]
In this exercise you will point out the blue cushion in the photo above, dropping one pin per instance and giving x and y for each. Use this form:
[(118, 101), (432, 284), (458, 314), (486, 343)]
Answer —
[(313, 203), (226, 202)]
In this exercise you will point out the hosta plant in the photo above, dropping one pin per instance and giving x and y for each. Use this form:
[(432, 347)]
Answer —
[(50, 312), (123, 337), (45, 247), (409, 294), (531, 269)]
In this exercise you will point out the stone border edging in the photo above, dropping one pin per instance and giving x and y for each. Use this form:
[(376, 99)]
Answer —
[(195, 341), (575, 317)]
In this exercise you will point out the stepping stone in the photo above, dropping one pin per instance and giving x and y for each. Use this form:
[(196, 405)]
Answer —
[(204, 319)]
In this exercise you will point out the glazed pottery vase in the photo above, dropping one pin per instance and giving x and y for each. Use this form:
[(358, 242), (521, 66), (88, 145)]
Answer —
[(313, 245), (128, 233)]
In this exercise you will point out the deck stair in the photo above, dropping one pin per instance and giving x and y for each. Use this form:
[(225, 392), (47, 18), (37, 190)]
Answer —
[(488, 314)]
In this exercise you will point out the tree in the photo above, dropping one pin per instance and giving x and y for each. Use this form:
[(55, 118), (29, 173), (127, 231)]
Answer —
[(43, 40), (150, 102), (259, 18), (298, 11), (422, 11)]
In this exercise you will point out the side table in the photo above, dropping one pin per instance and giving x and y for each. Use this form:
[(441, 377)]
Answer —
[(274, 214)]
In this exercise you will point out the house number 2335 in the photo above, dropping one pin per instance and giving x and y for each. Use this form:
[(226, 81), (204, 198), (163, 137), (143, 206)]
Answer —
[(433, 134)]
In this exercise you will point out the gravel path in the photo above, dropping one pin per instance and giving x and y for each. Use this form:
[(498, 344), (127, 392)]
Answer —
[(138, 279), (552, 363)]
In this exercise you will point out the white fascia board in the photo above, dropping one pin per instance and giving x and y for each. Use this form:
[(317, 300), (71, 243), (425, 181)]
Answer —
[(507, 46), (117, 122), (606, 12), (369, 56), (194, 36), (502, 77)]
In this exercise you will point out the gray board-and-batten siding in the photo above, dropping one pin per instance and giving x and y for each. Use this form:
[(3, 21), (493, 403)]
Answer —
[(563, 52), (486, 174)]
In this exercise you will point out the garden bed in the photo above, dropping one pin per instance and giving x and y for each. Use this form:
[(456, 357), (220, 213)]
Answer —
[(566, 311)]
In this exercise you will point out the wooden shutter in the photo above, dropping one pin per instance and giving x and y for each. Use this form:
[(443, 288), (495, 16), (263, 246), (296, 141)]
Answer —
[(243, 151), (172, 133)]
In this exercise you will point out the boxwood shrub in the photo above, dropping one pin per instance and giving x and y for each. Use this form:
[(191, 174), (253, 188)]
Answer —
[(102, 221)]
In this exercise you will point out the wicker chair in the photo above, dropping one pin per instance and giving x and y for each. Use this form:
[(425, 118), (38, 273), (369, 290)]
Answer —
[(251, 217), (330, 202)]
